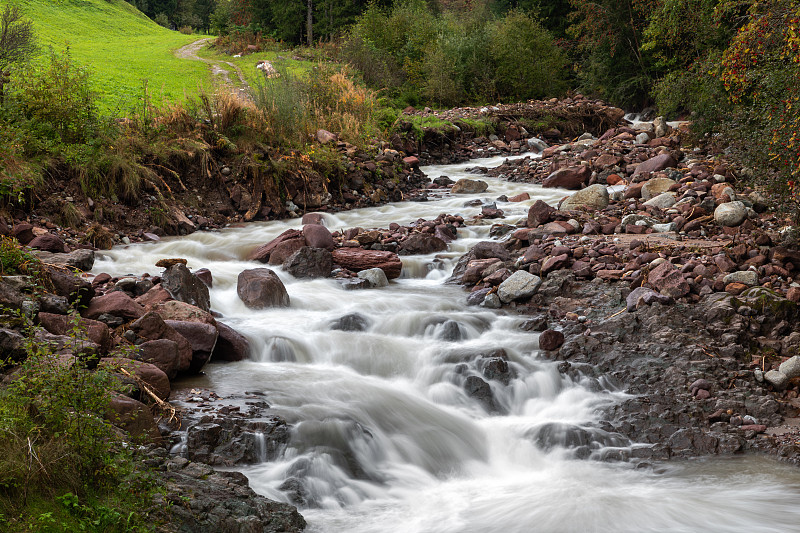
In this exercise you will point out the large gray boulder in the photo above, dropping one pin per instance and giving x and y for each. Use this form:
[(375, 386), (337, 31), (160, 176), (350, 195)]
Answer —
[(467, 186), (260, 288), (592, 197), (519, 285), (730, 214), (184, 286)]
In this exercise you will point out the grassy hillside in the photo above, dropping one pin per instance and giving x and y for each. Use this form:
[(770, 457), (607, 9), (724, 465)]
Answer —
[(120, 46)]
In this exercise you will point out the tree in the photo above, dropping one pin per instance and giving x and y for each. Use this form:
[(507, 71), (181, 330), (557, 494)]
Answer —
[(17, 43)]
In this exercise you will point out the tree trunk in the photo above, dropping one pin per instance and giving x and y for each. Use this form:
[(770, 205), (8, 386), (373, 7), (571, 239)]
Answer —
[(310, 22)]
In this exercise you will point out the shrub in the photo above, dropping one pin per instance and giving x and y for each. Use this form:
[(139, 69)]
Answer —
[(528, 63), (14, 259), (186, 30)]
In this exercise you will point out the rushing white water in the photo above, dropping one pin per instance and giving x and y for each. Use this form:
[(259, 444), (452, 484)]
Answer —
[(384, 436)]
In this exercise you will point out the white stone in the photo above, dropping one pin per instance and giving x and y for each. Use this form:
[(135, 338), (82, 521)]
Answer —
[(537, 144), (791, 367), (592, 197), (777, 378), (662, 201), (642, 138), (655, 186), (748, 277), (664, 228), (730, 214), (520, 284), (375, 276), (492, 301)]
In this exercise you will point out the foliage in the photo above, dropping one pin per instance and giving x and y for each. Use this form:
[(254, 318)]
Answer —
[(14, 259), (57, 442), (17, 42)]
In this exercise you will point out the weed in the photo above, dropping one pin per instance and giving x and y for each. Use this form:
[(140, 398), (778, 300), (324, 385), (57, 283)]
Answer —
[(14, 259)]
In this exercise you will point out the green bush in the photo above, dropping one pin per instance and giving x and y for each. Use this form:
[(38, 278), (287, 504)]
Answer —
[(528, 64)]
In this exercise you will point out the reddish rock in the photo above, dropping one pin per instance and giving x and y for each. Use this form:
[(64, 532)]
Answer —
[(634, 190), (736, 288), (263, 252), (572, 178), (558, 228), (668, 280), (95, 331), (607, 160), (550, 339), (261, 287), (152, 327), (153, 377), (163, 353), (309, 262), (654, 164), (318, 236), (202, 338), (134, 417), (614, 179), (555, 263), (758, 428), (411, 161), (520, 197), (231, 345), (23, 233), (422, 243), (357, 259), (48, 243), (793, 294), (115, 303), (724, 263), (540, 213), (285, 249), (154, 296), (204, 275), (312, 218), (445, 232), (65, 283), (610, 275), (174, 310), (475, 269)]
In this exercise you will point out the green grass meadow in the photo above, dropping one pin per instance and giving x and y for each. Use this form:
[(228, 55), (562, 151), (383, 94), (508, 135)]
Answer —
[(121, 47)]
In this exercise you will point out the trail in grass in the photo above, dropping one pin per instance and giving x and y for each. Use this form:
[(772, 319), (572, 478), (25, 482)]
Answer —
[(190, 52)]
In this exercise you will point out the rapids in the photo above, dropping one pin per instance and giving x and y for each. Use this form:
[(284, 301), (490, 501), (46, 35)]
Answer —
[(385, 438)]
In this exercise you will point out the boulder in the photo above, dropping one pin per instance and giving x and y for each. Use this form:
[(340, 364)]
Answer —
[(318, 236), (421, 243), (519, 285), (284, 250), (490, 249), (48, 243), (572, 178), (668, 280), (309, 262), (655, 187), (592, 198), (163, 353), (357, 259), (152, 327), (467, 186), (662, 201), (12, 345), (202, 338), (263, 252), (115, 303), (791, 367), (654, 164), (23, 233), (261, 287), (231, 345), (375, 276), (174, 310), (65, 283), (184, 286), (550, 339), (777, 379), (155, 378), (95, 331), (134, 417), (351, 322), (730, 214), (11, 295), (81, 259), (745, 277)]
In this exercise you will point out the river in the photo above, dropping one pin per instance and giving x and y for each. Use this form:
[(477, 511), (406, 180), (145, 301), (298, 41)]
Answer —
[(385, 438)]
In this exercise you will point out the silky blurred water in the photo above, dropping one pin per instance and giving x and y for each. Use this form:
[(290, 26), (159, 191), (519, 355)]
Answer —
[(384, 436)]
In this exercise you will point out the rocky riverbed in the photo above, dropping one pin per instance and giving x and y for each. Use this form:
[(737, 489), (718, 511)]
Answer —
[(661, 276)]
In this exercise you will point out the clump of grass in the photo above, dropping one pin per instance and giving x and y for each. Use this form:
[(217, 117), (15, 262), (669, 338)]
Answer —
[(99, 237), (70, 216), (16, 260)]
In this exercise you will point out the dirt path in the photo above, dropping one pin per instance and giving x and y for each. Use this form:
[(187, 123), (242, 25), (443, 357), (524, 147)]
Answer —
[(190, 52)]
